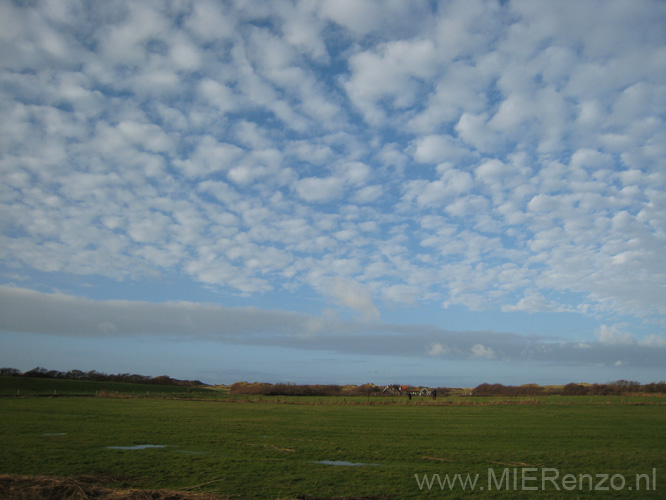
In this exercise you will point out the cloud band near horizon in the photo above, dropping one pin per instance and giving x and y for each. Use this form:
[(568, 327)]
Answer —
[(28, 311)]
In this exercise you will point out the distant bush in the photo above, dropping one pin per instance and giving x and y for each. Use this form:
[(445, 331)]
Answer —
[(94, 375), (617, 388), (655, 387), (288, 389), (509, 390), (247, 388), (575, 390), (361, 390), (443, 391), (604, 390)]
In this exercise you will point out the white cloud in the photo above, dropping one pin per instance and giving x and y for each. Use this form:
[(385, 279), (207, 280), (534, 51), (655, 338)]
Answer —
[(210, 21), (653, 341), (367, 194), (494, 172), (359, 17), (150, 228), (69, 316), (210, 156), (107, 327), (531, 303), (185, 55), (453, 182), (544, 203), (362, 18), (467, 206), (219, 95), (403, 293), (475, 130), (391, 73), (590, 158), (302, 28), (251, 135), (315, 189), (483, 352), (437, 349), (352, 294), (438, 149), (612, 335), (124, 42), (149, 136), (355, 173)]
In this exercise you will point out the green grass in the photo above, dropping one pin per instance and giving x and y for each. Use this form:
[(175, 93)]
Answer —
[(253, 450)]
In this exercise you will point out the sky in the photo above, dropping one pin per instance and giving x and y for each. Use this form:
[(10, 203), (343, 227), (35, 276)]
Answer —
[(336, 191)]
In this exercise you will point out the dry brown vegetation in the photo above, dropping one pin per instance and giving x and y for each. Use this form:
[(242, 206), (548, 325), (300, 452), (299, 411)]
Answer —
[(618, 388), (19, 487), (266, 389)]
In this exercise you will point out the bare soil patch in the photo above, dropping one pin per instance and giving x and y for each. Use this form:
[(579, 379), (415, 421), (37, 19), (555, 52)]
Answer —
[(18, 487), (90, 487)]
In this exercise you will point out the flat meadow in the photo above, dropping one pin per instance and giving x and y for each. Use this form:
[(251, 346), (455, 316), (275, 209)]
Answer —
[(325, 447)]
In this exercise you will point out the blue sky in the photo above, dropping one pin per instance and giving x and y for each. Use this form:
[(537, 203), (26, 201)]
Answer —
[(443, 193)]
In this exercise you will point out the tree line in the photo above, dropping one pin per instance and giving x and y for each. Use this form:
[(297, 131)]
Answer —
[(96, 376), (617, 388), (288, 389)]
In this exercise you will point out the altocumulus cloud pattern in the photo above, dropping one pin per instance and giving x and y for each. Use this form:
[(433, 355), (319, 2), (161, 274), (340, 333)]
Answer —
[(411, 171)]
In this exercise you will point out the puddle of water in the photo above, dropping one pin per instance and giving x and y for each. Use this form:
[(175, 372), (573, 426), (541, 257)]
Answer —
[(136, 447), (341, 463), (55, 433)]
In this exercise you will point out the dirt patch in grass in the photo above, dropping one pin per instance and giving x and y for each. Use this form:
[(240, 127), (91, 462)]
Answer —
[(274, 447), (517, 464), (18, 487), (438, 459)]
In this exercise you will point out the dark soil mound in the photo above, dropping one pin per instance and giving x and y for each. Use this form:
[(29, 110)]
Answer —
[(17, 487)]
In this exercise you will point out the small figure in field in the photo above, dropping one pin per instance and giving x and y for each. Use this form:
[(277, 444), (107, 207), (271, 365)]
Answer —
[(434, 394), (410, 396)]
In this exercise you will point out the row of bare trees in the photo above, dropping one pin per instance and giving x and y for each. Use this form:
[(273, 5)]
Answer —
[(288, 389), (617, 388)]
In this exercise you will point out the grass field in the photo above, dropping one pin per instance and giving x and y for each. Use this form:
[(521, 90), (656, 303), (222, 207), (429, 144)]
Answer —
[(263, 450)]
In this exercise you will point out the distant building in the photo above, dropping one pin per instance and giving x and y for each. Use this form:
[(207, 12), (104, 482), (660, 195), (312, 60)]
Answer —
[(401, 390), (393, 389)]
